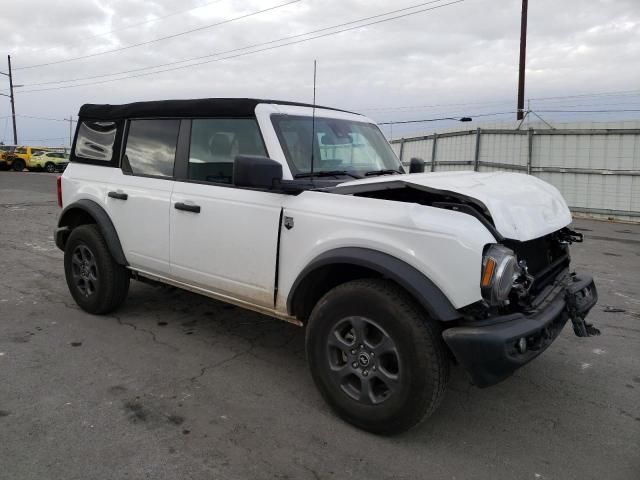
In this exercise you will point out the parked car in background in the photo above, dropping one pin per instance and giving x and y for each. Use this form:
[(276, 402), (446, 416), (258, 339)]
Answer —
[(21, 156), (5, 151), (49, 161)]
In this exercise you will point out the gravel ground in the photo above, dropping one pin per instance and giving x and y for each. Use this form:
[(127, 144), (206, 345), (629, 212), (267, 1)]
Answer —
[(175, 385)]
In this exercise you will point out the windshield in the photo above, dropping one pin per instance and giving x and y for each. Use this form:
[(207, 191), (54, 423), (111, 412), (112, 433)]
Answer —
[(340, 145)]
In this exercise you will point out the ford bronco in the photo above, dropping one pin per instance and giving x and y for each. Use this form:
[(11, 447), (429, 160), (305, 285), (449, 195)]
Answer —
[(304, 213)]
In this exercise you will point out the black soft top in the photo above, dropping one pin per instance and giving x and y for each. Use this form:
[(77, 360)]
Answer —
[(201, 107)]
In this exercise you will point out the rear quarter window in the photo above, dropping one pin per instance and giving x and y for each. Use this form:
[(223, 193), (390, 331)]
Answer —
[(96, 142)]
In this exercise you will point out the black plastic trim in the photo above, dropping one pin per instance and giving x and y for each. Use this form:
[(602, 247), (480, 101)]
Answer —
[(277, 273), (181, 164), (103, 221), (418, 285), (487, 349)]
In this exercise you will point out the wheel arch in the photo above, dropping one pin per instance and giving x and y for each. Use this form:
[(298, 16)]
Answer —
[(341, 265), (83, 212)]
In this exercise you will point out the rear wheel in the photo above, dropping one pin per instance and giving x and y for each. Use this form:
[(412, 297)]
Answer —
[(97, 283), (376, 358), (50, 167), (18, 165)]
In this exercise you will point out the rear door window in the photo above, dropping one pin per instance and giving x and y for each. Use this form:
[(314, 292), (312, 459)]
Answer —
[(151, 147)]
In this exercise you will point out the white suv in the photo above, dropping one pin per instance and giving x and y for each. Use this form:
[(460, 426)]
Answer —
[(305, 214)]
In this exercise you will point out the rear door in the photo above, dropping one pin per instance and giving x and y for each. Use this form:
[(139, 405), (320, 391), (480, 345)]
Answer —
[(223, 238), (139, 195)]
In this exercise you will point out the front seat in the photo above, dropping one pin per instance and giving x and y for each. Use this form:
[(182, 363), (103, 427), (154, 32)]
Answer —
[(220, 164)]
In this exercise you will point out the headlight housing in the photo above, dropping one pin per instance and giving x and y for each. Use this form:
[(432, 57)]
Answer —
[(499, 268)]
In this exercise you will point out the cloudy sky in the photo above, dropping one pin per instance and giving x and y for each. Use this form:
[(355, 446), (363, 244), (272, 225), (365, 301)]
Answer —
[(441, 58)]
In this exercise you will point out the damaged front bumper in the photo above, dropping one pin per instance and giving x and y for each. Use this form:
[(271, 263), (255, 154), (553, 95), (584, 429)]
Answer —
[(491, 350)]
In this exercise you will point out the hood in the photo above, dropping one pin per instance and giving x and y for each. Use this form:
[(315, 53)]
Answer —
[(522, 207)]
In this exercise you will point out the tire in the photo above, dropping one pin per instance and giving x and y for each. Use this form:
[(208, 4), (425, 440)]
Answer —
[(50, 167), (18, 165), (408, 345), (96, 282)]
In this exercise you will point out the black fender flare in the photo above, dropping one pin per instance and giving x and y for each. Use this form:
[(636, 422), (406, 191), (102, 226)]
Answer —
[(428, 295), (102, 219)]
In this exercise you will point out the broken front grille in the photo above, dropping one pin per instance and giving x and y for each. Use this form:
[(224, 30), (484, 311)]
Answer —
[(545, 257)]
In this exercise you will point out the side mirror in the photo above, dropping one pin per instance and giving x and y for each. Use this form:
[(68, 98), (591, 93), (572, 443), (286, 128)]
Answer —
[(256, 172), (416, 165)]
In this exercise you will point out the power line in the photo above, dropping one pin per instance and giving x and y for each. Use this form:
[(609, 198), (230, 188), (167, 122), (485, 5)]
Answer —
[(420, 107), (6, 124), (257, 45), (447, 118), (248, 47), (46, 118), (598, 94), (453, 117), (127, 47), (588, 111), (588, 102), (153, 20), (44, 139), (604, 105)]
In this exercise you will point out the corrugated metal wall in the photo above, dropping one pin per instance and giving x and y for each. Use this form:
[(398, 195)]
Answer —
[(596, 169)]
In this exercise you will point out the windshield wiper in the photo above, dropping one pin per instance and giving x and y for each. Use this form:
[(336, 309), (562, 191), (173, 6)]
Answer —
[(330, 173), (382, 172)]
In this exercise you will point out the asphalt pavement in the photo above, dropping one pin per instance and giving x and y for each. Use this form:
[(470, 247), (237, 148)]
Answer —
[(178, 386)]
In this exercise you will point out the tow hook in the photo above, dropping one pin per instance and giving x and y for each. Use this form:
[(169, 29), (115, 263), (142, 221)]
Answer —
[(583, 329), (567, 236), (581, 295)]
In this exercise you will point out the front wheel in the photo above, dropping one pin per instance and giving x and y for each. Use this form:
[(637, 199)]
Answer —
[(96, 282), (377, 359)]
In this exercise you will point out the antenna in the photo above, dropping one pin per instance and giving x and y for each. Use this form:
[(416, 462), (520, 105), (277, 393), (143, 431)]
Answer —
[(313, 118)]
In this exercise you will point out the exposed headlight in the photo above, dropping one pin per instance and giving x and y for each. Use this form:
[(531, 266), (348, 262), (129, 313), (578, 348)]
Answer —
[(499, 267)]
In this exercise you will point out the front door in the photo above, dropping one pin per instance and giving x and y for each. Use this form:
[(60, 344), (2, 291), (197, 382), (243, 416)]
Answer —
[(223, 238)]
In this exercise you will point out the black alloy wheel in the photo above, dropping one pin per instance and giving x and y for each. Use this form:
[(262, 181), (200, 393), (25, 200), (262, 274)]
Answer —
[(85, 270), (363, 360)]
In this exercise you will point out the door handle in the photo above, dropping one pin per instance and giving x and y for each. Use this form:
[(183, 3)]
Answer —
[(118, 195), (186, 207)]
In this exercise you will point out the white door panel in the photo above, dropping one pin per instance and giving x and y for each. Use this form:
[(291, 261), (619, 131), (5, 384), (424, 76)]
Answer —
[(230, 246), (142, 220)]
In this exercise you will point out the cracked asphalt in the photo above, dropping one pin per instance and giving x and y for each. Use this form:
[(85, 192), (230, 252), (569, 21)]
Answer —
[(175, 385)]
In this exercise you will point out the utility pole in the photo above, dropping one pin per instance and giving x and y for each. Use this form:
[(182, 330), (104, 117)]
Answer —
[(523, 57), (70, 130), (13, 105)]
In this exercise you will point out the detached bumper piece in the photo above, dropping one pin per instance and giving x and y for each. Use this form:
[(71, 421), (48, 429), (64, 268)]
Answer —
[(491, 350), (581, 295)]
